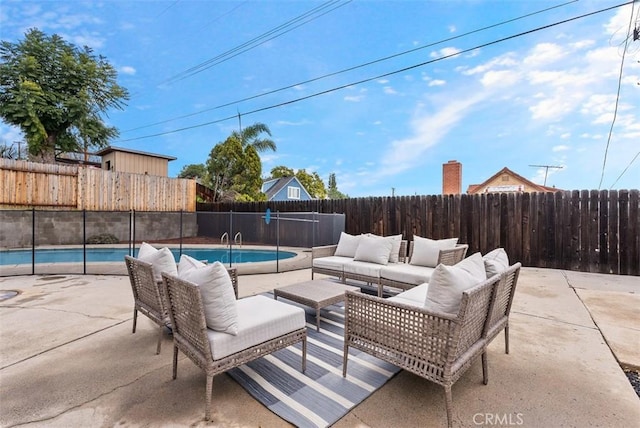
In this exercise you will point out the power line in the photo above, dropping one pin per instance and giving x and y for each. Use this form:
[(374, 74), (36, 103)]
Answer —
[(379, 76), (253, 43), (350, 68), (615, 111), (625, 170)]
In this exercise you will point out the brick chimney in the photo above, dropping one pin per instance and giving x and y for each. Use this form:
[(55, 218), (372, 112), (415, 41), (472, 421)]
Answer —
[(452, 178)]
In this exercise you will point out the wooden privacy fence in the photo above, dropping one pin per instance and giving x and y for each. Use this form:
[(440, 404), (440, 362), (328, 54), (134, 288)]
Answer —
[(28, 184), (580, 230)]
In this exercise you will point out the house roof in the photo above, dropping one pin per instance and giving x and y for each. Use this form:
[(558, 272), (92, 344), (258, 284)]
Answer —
[(473, 188), (280, 183), (111, 149)]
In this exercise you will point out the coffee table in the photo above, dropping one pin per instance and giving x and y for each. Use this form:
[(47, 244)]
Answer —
[(317, 294)]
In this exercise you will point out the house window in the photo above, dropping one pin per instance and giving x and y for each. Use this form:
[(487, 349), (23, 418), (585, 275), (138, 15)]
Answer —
[(505, 177), (293, 192)]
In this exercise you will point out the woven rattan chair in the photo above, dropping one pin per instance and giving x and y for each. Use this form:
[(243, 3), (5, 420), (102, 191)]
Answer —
[(148, 296), (435, 346), (192, 337)]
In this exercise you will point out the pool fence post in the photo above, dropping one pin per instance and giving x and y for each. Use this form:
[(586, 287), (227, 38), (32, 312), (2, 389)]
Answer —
[(84, 241), (229, 239), (133, 235), (130, 230), (278, 241), (180, 233), (33, 241)]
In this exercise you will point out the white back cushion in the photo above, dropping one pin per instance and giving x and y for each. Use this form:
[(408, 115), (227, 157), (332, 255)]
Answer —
[(188, 263), (373, 249), (347, 245), (426, 251), (218, 297), (396, 240), (448, 282), (161, 260), (496, 262)]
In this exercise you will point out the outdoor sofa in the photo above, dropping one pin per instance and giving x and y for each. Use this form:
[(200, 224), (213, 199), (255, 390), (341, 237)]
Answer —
[(436, 330), (362, 258)]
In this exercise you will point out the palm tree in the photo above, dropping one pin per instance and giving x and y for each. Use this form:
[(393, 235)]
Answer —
[(250, 136)]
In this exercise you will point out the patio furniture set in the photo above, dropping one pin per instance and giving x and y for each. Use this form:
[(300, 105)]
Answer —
[(436, 328)]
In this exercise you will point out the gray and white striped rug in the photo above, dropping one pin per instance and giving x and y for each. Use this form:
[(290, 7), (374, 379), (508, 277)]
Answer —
[(320, 396)]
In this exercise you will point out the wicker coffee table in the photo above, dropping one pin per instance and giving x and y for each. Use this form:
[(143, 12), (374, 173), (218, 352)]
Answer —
[(317, 294)]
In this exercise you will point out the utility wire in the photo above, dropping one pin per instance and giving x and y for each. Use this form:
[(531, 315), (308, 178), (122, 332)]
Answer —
[(335, 73), (615, 111), (544, 27), (625, 170), (253, 43)]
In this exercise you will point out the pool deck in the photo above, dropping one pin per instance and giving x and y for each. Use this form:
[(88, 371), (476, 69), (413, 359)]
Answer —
[(68, 359)]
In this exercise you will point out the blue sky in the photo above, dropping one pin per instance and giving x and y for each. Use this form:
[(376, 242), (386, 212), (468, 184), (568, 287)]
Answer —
[(451, 88)]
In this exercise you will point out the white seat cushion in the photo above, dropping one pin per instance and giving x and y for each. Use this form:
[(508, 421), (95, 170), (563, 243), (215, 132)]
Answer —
[(409, 274), (496, 262), (161, 260), (448, 282), (362, 268), (426, 252), (373, 249), (415, 296), (331, 262), (218, 296), (259, 319)]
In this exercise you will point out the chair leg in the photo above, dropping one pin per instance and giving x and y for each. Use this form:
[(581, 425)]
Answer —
[(485, 368), (135, 319), (304, 355), (207, 410), (448, 402), (159, 340), (175, 361), (345, 358), (506, 338)]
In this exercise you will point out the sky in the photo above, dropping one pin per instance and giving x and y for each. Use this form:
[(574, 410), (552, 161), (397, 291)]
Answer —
[(380, 93)]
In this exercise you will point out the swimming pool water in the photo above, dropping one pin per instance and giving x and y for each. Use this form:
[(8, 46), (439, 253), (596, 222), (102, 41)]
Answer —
[(75, 255)]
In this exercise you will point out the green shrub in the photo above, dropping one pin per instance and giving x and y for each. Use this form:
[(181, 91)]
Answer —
[(103, 238)]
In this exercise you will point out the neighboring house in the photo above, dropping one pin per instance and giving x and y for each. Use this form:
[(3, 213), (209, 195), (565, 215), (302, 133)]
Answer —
[(126, 160), (285, 189), (504, 180)]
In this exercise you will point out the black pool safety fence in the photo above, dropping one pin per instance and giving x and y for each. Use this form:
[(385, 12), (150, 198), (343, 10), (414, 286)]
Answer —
[(38, 242)]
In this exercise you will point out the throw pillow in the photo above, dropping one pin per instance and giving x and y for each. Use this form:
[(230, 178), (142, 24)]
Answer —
[(496, 262), (396, 240), (427, 251), (188, 263), (161, 260), (347, 245), (218, 298), (373, 249), (448, 282)]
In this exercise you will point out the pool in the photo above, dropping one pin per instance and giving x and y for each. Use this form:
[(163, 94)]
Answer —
[(75, 255)]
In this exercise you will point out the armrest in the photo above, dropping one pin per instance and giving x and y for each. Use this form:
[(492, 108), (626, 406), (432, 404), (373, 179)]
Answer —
[(397, 327), (453, 255), (323, 251), (233, 274)]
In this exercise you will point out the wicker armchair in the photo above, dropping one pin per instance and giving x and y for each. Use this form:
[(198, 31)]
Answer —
[(148, 296), (202, 345), (436, 346)]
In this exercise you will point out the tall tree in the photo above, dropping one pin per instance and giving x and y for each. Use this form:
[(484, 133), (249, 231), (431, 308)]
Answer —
[(195, 170), (333, 192), (281, 171), (55, 93), (313, 183)]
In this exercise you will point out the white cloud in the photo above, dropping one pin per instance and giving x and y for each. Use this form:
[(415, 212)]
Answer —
[(445, 52), (437, 82), (128, 70), (452, 28), (354, 98), (560, 148), (389, 90), (500, 78), (544, 53), (505, 60)]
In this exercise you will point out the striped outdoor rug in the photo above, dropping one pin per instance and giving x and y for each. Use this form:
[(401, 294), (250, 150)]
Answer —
[(321, 396)]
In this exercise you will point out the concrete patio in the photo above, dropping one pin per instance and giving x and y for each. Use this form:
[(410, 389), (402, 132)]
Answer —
[(68, 359)]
